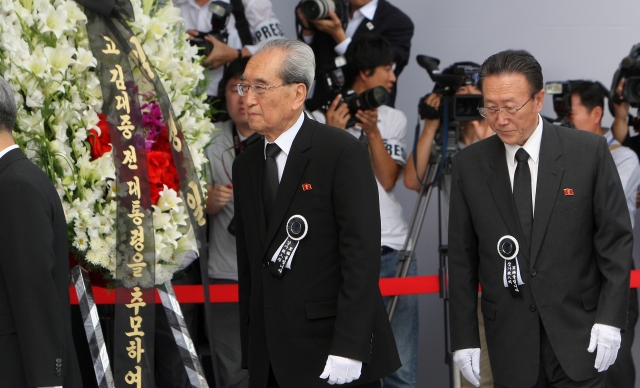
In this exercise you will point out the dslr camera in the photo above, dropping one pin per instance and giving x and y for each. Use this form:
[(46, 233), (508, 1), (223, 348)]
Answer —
[(461, 107), (319, 9), (367, 100), (220, 13)]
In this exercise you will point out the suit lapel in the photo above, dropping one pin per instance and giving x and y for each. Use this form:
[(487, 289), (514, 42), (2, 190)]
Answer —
[(549, 178), (500, 187), (293, 170)]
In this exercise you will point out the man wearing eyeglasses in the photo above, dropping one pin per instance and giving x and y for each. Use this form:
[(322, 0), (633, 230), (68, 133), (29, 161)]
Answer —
[(538, 217), (307, 237)]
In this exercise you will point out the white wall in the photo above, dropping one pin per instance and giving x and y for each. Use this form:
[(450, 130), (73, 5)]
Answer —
[(571, 39)]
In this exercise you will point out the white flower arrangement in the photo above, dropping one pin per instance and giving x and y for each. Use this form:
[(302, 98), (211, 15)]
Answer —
[(46, 58)]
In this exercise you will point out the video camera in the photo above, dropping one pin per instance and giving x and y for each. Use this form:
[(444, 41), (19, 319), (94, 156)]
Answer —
[(561, 94), (367, 100), (630, 70), (220, 13), (319, 9), (461, 107)]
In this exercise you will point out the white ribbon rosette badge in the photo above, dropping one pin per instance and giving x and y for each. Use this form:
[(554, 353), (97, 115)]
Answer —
[(508, 249), (297, 228)]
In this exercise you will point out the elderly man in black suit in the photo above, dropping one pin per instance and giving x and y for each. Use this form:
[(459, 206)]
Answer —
[(308, 236), (538, 217), (36, 347)]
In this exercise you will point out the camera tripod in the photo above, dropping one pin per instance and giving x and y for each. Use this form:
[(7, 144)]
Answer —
[(437, 175)]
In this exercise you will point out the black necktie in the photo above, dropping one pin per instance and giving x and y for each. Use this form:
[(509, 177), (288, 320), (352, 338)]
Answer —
[(270, 184), (522, 195)]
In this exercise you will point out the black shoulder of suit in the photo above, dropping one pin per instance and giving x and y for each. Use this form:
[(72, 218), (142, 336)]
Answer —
[(388, 10)]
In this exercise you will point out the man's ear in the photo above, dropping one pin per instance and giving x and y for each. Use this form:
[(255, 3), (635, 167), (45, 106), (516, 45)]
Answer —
[(539, 100), (363, 75), (596, 114), (300, 95)]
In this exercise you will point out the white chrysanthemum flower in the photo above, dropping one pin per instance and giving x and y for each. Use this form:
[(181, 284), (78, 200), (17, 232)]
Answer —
[(81, 241)]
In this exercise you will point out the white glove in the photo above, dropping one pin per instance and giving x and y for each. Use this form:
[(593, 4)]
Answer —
[(468, 360), (341, 370), (607, 338)]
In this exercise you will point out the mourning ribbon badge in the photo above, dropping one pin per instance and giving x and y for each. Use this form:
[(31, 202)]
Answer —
[(508, 249), (297, 228)]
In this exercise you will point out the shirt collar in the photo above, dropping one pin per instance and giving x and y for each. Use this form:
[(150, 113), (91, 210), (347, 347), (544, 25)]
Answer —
[(369, 10), (4, 151), (285, 140), (532, 146)]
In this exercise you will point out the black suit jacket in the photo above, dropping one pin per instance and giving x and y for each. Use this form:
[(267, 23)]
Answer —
[(329, 301), (388, 22), (576, 273), (36, 347)]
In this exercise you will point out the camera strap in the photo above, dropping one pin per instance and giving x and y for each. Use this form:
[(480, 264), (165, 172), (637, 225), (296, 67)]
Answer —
[(242, 25)]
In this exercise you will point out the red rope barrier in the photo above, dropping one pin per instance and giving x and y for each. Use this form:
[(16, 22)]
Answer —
[(225, 293)]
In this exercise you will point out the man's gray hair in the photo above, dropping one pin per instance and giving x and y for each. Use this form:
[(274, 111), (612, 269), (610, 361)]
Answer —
[(8, 109), (299, 63)]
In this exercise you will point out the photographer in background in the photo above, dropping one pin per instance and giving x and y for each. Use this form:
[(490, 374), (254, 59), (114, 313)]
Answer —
[(330, 36), (370, 65), (587, 108), (621, 122), (233, 138), (471, 131), (243, 23)]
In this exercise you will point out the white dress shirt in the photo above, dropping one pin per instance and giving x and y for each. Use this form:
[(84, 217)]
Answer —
[(11, 147), (284, 141), (532, 146)]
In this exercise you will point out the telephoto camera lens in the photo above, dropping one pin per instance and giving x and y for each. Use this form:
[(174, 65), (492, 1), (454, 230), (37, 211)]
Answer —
[(317, 9), (369, 99)]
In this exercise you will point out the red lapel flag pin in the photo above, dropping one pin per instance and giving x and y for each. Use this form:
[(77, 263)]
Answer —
[(568, 191), (306, 186)]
